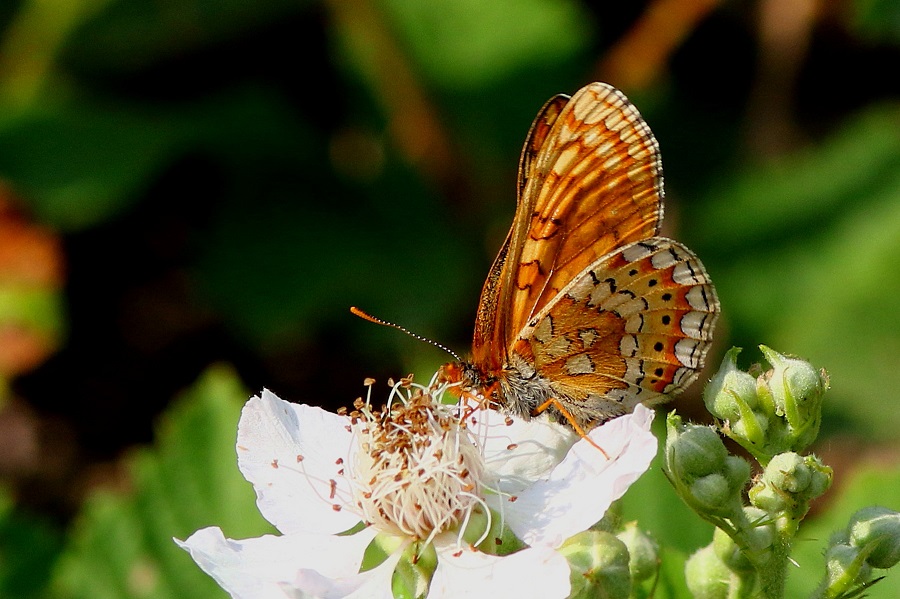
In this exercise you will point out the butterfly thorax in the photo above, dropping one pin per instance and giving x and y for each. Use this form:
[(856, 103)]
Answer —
[(519, 389)]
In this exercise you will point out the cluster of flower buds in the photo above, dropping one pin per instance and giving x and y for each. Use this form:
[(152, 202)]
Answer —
[(778, 411), (788, 484), (773, 416)]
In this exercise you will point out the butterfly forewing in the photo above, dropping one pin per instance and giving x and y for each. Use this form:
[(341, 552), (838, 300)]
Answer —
[(492, 326), (595, 184), (537, 135)]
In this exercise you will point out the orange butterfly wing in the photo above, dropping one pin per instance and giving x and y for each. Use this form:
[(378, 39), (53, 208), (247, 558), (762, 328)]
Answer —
[(590, 181), (632, 328), (491, 321)]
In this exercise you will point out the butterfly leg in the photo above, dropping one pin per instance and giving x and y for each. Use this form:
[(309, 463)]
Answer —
[(571, 419), (470, 402)]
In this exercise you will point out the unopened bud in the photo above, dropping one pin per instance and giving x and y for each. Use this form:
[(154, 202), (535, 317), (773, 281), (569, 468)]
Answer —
[(643, 552), (731, 393), (704, 474), (795, 390), (694, 451), (789, 483), (758, 529), (599, 563), (845, 567), (707, 576), (877, 530), (730, 554)]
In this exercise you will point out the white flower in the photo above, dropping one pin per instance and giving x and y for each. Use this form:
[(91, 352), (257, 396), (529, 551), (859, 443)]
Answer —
[(415, 477)]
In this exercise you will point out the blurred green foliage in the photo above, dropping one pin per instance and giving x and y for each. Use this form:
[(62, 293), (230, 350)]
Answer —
[(800, 252), (29, 547), (470, 44), (281, 161), (121, 545)]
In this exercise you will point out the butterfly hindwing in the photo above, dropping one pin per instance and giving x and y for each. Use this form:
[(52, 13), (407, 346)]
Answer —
[(630, 328)]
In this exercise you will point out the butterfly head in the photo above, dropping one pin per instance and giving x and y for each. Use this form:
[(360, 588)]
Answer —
[(470, 380)]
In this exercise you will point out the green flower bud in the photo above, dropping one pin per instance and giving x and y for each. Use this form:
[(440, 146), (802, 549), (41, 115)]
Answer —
[(821, 479), (759, 530), (600, 565), (795, 390), (769, 499), (876, 530), (845, 567), (789, 483), (719, 493), (693, 451), (707, 576), (750, 431), (711, 492), (788, 472), (752, 545), (731, 394), (730, 554), (643, 552), (737, 471), (703, 473)]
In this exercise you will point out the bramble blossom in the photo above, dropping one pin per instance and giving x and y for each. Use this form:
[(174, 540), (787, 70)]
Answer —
[(411, 481)]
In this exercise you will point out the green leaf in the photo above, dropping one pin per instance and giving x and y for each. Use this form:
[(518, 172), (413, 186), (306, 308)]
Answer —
[(122, 545), (878, 19), (469, 43)]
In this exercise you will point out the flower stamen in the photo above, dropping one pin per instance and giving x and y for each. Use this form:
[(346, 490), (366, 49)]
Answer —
[(418, 472)]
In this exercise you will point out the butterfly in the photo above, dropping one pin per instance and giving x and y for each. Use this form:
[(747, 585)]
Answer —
[(586, 311)]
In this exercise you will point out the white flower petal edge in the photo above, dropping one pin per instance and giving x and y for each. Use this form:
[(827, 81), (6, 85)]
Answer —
[(581, 488), (267, 567), (293, 455), (538, 572), (372, 584)]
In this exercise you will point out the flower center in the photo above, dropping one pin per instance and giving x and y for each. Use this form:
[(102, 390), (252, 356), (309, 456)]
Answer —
[(417, 472)]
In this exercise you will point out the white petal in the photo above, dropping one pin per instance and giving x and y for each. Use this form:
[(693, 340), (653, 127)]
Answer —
[(293, 455), (582, 487), (519, 452), (537, 572), (259, 568), (372, 584)]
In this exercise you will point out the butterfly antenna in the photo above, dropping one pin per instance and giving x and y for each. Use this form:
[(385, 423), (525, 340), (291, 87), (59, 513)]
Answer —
[(365, 316)]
